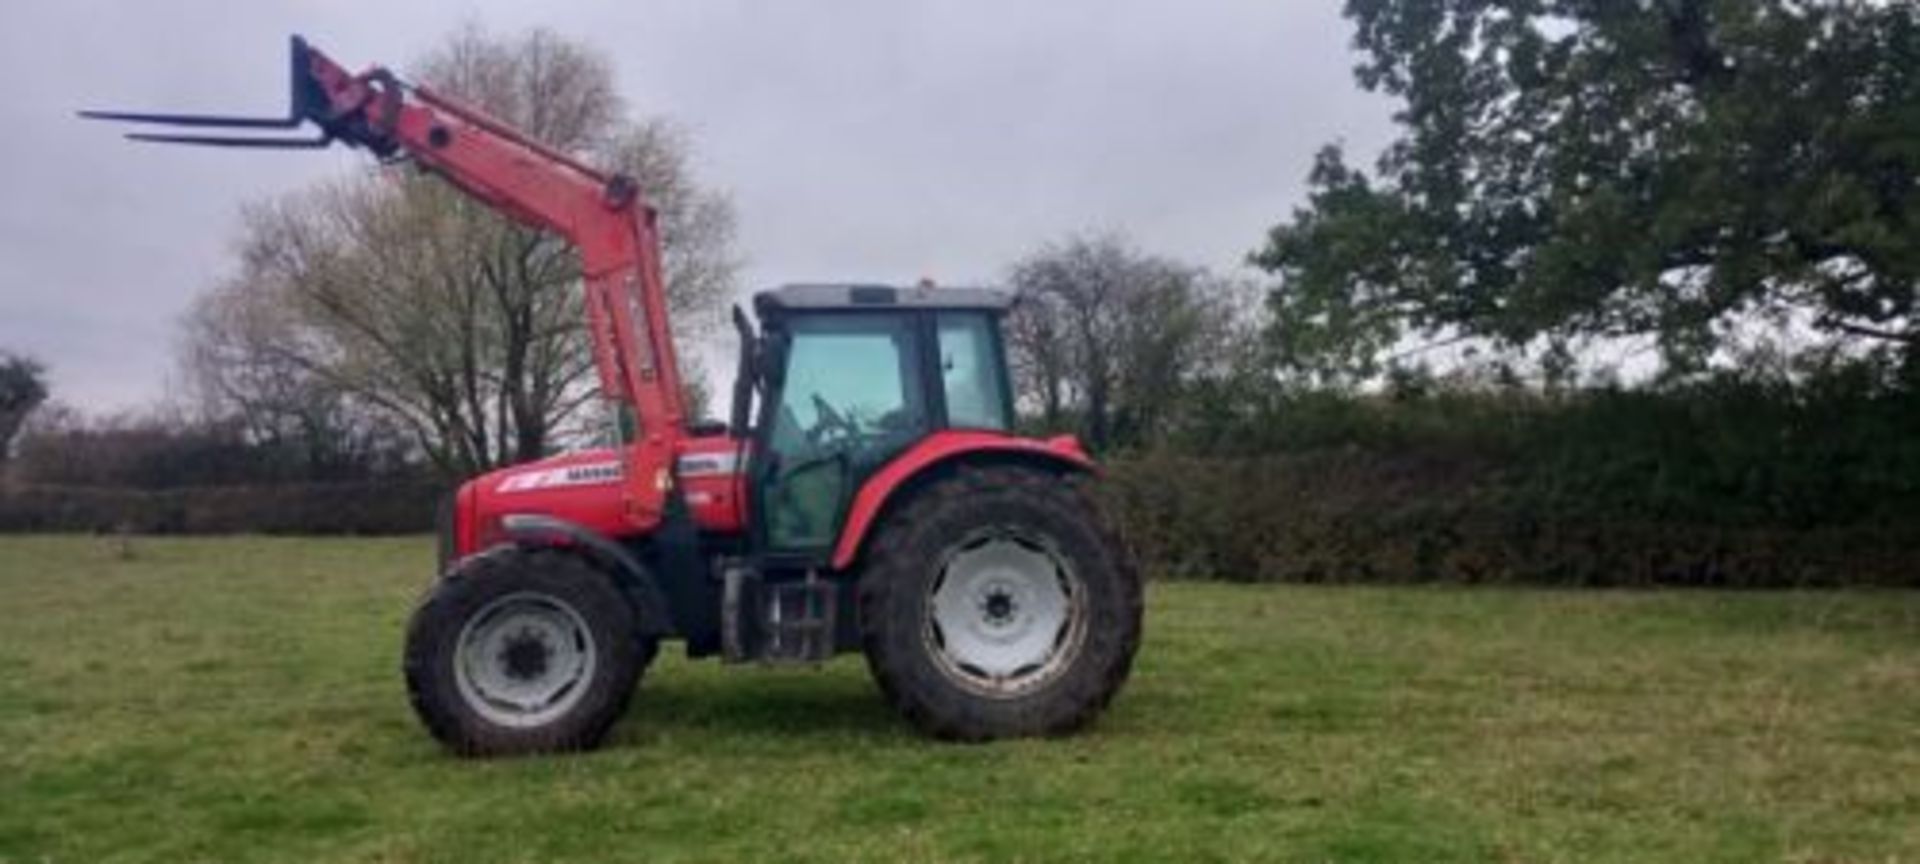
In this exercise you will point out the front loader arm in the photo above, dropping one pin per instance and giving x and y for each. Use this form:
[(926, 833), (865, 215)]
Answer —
[(605, 217)]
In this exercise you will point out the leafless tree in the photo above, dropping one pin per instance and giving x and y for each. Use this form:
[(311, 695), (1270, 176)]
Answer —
[(236, 353), (23, 387), (392, 293), (1105, 336)]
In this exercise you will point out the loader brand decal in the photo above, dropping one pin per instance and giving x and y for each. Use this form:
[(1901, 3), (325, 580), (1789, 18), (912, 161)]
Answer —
[(592, 474), (708, 464)]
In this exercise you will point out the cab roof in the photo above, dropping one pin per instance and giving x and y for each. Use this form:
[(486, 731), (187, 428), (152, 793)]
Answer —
[(851, 296)]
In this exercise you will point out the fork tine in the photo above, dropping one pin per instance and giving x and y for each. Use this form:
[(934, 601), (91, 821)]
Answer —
[(201, 120), (230, 141)]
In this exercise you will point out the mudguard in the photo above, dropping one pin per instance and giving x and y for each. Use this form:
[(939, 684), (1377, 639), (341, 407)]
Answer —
[(1061, 453), (633, 577)]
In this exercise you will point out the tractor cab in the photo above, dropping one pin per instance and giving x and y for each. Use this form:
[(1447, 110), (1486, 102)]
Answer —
[(848, 377)]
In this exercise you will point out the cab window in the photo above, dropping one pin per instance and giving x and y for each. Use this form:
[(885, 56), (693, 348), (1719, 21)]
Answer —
[(971, 372), (851, 399)]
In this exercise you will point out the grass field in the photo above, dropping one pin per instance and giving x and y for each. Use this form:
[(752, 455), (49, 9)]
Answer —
[(238, 700)]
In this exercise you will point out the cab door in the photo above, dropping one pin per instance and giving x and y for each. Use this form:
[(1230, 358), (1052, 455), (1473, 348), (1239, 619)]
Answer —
[(852, 395)]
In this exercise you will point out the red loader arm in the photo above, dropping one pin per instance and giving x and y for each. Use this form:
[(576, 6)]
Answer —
[(604, 216)]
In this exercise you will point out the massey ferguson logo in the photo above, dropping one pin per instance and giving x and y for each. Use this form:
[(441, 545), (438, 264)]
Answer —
[(595, 474)]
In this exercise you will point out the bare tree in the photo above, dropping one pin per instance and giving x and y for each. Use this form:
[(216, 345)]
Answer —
[(23, 387), (239, 369), (1105, 337), (399, 295)]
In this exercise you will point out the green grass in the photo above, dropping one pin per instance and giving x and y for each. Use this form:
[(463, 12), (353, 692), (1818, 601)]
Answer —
[(239, 700)]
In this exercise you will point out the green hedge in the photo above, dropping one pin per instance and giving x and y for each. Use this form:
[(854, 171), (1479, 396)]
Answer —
[(1352, 516), (321, 508), (1721, 482)]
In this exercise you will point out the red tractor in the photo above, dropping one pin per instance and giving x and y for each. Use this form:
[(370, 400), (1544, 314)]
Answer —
[(867, 494)]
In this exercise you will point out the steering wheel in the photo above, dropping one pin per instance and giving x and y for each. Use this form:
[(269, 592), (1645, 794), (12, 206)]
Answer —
[(831, 421)]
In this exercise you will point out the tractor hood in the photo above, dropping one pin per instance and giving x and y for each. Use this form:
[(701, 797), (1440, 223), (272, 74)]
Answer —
[(587, 489), (597, 467), (582, 487)]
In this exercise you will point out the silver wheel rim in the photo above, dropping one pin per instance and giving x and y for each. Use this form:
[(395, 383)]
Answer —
[(1005, 616), (524, 660)]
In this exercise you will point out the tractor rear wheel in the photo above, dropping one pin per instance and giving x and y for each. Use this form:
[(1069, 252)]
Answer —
[(522, 651), (997, 603)]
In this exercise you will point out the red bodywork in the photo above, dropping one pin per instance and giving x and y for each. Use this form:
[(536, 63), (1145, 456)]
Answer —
[(585, 488), (935, 449)]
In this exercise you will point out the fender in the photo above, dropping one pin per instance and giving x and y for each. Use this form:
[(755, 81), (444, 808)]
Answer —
[(634, 579), (1062, 452)]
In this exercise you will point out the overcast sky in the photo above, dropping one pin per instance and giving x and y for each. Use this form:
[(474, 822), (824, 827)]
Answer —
[(860, 139)]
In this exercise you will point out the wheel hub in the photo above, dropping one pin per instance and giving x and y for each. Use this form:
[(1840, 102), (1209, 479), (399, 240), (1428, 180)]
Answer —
[(1004, 615), (998, 608), (525, 656), (523, 660)]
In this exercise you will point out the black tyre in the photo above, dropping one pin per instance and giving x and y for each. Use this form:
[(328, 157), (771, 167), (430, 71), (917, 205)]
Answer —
[(522, 651), (996, 603)]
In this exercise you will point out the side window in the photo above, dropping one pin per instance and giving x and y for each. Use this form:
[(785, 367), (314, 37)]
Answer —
[(971, 372), (848, 384)]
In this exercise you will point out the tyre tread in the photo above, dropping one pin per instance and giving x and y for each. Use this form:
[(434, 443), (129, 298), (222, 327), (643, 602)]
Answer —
[(439, 610), (903, 542)]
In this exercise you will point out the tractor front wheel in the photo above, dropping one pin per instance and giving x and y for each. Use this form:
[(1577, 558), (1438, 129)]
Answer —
[(996, 603), (522, 651)]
